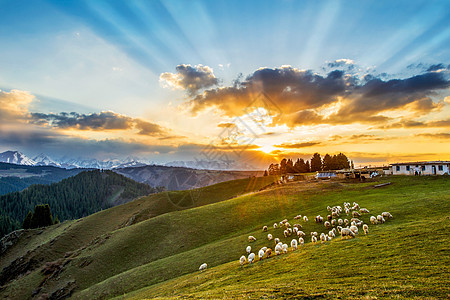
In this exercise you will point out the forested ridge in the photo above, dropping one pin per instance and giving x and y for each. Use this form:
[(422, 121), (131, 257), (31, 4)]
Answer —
[(71, 198)]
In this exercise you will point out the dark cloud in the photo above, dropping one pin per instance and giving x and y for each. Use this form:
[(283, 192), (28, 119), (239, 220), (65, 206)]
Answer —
[(190, 78), (443, 135), (436, 67), (301, 96), (417, 124), (342, 63), (297, 145), (97, 122)]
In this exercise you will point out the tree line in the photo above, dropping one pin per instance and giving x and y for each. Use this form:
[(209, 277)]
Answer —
[(316, 163)]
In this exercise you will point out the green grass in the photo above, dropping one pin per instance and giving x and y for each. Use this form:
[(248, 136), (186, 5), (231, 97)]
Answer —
[(407, 257)]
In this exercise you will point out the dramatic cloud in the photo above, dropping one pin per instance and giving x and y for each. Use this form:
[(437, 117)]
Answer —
[(343, 62), (417, 124), (191, 79), (106, 120), (297, 145), (14, 105), (301, 97)]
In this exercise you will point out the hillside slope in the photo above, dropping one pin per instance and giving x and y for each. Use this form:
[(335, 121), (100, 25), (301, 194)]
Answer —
[(34, 248), (74, 197), (406, 256)]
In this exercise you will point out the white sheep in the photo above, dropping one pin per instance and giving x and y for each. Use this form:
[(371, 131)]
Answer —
[(295, 229), (278, 249), (203, 267), (301, 241), (265, 228), (261, 254), (356, 214), (339, 228), (285, 247), (268, 252), (249, 249), (331, 234), (346, 232), (373, 220), (242, 260), (297, 217), (251, 238), (277, 240), (380, 219), (269, 237), (366, 229), (364, 210), (313, 239), (340, 222), (300, 233), (294, 244), (333, 222), (323, 237), (251, 257), (305, 218), (264, 248), (386, 215), (354, 229), (327, 224), (275, 225), (286, 233), (346, 222)]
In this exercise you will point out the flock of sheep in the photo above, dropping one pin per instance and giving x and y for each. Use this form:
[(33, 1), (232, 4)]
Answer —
[(333, 224)]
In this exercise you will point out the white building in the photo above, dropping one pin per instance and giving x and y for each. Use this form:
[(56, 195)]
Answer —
[(421, 168)]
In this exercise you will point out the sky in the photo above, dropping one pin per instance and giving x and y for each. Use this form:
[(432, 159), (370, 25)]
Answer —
[(248, 82)]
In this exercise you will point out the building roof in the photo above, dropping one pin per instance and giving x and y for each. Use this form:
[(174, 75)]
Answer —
[(435, 162)]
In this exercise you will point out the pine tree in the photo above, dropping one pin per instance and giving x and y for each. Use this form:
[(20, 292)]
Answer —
[(316, 162), (27, 221)]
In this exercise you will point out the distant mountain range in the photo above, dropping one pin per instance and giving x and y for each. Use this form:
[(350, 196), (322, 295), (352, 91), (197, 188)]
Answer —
[(16, 157)]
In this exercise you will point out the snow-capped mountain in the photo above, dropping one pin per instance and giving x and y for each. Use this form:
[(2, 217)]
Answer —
[(44, 160), (16, 157), (131, 164), (210, 165)]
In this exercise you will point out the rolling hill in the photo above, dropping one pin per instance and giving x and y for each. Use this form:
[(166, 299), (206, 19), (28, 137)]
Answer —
[(132, 251)]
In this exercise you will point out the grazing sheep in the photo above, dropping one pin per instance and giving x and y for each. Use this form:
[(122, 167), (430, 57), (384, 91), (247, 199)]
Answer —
[(328, 208), (300, 233), (203, 267), (355, 206), (269, 237), (275, 225), (260, 254), (331, 234), (364, 210), (346, 222), (380, 219), (305, 218), (294, 244), (265, 228), (249, 249), (346, 232), (347, 211), (277, 240), (278, 249), (356, 214), (334, 230), (386, 215), (295, 230), (264, 248), (352, 223), (285, 247), (335, 214), (354, 229), (297, 217), (333, 222), (251, 238), (242, 260), (314, 233), (286, 233), (318, 219), (340, 222), (323, 237), (339, 228), (366, 229), (360, 223), (251, 257), (301, 241), (327, 224), (298, 226), (287, 225), (329, 217), (314, 239), (356, 220), (373, 220), (268, 253)]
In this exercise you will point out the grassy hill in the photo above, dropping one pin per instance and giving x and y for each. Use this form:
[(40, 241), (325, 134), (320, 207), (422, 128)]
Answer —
[(130, 252)]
